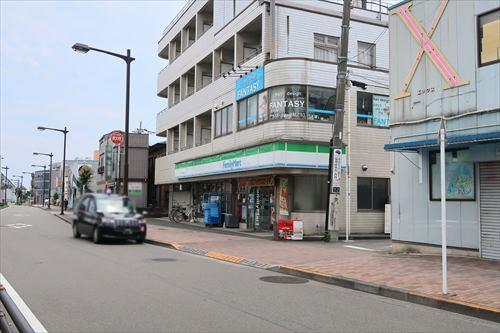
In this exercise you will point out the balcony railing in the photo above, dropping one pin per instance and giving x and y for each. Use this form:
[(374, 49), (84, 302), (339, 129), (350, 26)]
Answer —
[(255, 52), (377, 6), (183, 10), (164, 110)]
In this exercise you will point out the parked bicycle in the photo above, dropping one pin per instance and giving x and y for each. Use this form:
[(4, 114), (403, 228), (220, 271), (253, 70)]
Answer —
[(179, 214)]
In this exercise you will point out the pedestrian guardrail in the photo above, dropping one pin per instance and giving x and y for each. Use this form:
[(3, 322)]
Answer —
[(19, 320)]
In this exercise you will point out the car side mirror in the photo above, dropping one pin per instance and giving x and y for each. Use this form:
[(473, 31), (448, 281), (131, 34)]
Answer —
[(100, 213)]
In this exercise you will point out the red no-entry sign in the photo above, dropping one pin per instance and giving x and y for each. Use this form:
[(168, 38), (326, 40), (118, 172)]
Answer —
[(116, 137)]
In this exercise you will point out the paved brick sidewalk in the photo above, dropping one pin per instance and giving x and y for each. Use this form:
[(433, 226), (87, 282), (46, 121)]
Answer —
[(473, 281)]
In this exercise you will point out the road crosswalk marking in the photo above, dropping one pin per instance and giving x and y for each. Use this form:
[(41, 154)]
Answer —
[(19, 225)]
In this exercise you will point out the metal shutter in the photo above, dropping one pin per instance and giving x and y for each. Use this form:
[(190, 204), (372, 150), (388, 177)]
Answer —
[(489, 177)]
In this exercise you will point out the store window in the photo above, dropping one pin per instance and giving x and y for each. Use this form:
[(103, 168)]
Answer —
[(372, 109), (253, 110), (366, 54), (321, 104), (287, 102), (459, 175), (309, 193), (224, 121), (373, 193), (489, 38), (326, 47)]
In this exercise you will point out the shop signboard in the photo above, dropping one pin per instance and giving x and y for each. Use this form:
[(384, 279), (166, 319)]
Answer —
[(278, 154), (287, 102), (336, 170), (283, 196), (380, 110), (250, 84), (134, 189), (109, 161), (290, 230)]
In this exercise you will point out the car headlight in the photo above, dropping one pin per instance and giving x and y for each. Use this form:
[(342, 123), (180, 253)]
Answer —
[(107, 220)]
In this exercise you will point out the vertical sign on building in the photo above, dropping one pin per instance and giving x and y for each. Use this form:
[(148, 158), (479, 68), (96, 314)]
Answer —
[(336, 171)]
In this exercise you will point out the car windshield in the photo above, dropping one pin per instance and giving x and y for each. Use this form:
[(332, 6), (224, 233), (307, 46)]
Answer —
[(115, 206)]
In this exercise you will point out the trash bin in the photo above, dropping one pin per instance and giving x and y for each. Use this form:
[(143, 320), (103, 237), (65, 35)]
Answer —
[(230, 221)]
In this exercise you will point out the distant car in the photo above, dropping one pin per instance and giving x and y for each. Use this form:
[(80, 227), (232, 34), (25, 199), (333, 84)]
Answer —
[(108, 216)]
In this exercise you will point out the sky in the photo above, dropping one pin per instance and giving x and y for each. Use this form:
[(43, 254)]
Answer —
[(45, 83)]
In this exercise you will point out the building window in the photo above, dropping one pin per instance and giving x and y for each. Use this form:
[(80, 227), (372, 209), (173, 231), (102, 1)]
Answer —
[(326, 47), (309, 193), (373, 193), (287, 102), (372, 109), (459, 177), (489, 38), (224, 121), (253, 110), (366, 54), (321, 104)]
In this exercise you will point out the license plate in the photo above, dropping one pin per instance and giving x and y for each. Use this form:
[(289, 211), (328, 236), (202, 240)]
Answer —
[(127, 231)]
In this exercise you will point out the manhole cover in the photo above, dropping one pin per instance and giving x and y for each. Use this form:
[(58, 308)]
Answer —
[(162, 259), (283, 279)]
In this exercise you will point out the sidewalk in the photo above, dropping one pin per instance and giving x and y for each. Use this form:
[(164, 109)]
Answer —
[(475, 282)]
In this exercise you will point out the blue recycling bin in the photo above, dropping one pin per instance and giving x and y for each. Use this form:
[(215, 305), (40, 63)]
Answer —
[(211, 209)]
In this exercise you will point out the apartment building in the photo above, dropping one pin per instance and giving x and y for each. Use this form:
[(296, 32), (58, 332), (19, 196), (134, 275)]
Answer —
[(41, 183), (445, 66), (249, 90)]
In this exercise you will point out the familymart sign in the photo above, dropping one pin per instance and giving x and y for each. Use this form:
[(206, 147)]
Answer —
[(277, 154)]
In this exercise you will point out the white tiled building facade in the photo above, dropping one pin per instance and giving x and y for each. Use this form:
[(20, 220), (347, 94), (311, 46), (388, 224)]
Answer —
[(264, 145)]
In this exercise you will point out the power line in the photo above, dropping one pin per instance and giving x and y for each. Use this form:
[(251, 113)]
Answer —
[(373, 44)]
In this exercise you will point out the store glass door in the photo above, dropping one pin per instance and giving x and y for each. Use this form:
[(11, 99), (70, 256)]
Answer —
[(259, 208)]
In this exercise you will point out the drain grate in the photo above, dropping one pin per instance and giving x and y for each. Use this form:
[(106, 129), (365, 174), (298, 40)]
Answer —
[(163, 259), (283, 279)]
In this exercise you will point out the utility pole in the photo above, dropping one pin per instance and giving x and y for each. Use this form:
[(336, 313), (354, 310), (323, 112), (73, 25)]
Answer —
[(6, 183), (338, 127)]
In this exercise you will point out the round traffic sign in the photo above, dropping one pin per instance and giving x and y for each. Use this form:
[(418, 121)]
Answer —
[(116, 137)]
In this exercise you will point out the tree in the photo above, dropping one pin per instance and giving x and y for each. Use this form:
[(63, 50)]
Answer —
[(19, 193), (84, 177)]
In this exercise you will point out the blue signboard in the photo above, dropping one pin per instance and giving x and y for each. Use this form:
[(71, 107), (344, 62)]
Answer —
[(250, 83)]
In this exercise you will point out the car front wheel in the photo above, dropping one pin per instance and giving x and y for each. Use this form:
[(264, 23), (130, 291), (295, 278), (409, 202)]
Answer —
[(76, 232), (96, 236)]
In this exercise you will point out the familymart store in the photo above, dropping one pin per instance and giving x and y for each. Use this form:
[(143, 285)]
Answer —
[(262, 184)]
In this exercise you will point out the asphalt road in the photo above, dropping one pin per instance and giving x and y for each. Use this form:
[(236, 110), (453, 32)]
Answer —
[(73, 285)]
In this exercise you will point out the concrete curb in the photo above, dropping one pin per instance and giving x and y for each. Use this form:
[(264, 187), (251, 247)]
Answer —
[(439, 302), (64, 218)]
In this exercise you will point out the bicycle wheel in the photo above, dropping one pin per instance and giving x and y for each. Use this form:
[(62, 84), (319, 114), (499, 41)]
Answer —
[(172, 214), (177, 216)]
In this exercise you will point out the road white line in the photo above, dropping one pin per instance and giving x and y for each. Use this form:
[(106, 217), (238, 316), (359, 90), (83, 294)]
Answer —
[(35, 324), (358, 248)]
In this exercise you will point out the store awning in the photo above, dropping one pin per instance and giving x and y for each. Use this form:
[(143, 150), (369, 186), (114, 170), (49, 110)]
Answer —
[(450, 140)]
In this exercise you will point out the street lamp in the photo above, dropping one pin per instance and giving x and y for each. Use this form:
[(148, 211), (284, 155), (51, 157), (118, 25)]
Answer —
[(83, 48), (31, 192), (43, 188), (50, 172), (64, 131), (6, 183)]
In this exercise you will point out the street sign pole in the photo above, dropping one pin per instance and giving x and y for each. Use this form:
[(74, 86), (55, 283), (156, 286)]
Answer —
[(442, 160)]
